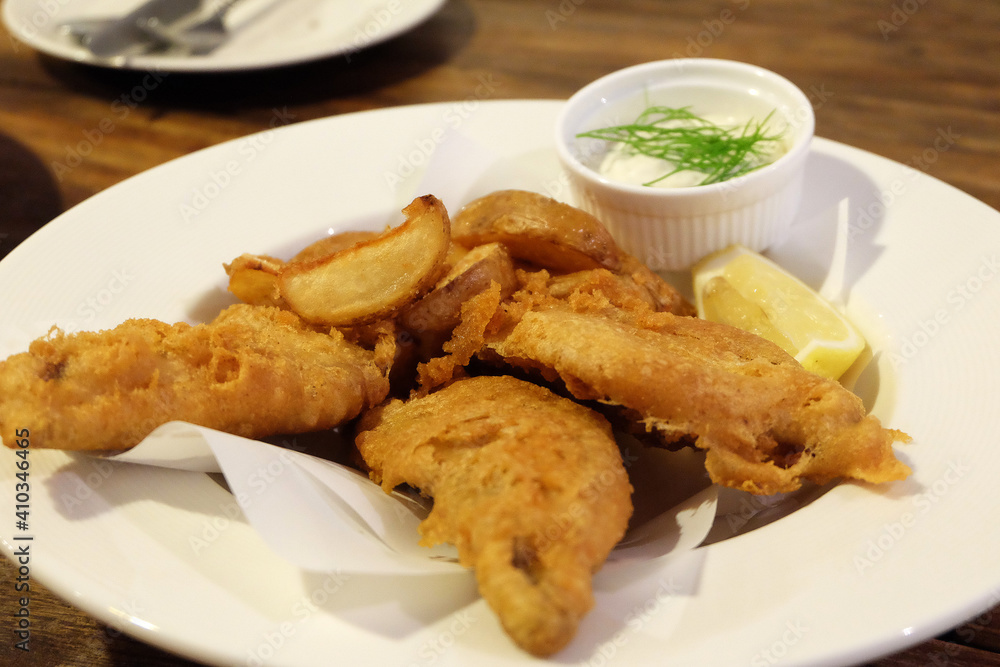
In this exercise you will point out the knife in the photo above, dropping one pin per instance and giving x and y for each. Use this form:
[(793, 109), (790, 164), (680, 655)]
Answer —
[(124, 34)]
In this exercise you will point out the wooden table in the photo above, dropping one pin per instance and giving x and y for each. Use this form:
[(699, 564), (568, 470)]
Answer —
[(888, 78)]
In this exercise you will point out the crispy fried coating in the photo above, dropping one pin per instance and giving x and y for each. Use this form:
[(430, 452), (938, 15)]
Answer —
[(253, 371), (766, 423), (529, 486), (466, 340)]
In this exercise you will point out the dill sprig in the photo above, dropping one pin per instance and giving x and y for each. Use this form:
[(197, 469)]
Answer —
[(691, 143)]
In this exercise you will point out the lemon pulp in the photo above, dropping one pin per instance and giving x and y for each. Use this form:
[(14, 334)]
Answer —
[(741, 288)]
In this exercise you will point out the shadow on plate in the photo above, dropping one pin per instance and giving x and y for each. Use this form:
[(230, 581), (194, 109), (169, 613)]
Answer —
[(372, 69), (87, 487), (212, 302), (629, 598), (831, 186), (29, 195), (392, 606)]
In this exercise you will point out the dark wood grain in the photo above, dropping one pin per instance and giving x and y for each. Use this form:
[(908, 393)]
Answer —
[(886, 77)]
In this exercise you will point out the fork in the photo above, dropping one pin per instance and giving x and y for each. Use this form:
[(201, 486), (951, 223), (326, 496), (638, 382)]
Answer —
[(200, 37)]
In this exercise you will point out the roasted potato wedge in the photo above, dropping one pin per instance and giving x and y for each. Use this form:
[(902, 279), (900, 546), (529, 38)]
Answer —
[(254, 279), (540, 230), (374, 278), (331, 244), (440, 310)]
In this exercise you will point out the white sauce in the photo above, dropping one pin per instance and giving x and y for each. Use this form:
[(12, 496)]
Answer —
[(624, 165)]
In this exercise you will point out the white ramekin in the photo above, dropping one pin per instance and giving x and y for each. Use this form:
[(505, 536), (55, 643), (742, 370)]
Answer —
[(672, 228)]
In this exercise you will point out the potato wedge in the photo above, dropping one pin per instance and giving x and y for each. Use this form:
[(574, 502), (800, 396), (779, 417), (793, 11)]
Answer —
[(539, 230), (331, 244), (254, 279), (441, 309), (374, 278)]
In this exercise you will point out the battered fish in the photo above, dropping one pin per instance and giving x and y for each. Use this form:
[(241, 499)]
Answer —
[(766, 423), (529, 486), (254, 371)]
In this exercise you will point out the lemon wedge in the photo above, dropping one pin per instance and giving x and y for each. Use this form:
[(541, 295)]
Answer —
[(741, 288)]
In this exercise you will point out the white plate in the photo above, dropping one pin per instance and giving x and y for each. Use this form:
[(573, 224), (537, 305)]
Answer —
[(165, 556), (285, 31)]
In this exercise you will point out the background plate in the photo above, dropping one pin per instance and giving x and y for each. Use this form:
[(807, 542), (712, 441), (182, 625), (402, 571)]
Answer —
[(293, 31)]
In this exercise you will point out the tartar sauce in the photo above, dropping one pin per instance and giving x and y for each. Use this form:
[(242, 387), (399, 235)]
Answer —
[(624, 163)]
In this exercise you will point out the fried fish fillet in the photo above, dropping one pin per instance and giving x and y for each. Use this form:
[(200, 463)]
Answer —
[(253, 371), (529, 486), (766, 423)]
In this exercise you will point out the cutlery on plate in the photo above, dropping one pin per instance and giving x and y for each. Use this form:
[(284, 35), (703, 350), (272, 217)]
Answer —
[(200, 37), (135, 31)]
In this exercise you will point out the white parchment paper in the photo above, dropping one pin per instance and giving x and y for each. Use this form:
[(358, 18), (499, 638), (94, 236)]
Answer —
[(324, 516)]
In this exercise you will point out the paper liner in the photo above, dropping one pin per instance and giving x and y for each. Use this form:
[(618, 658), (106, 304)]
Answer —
[(324, 516)]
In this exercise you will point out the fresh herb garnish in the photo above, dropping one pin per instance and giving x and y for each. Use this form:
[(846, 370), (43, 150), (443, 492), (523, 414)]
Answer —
[(691, 143)]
